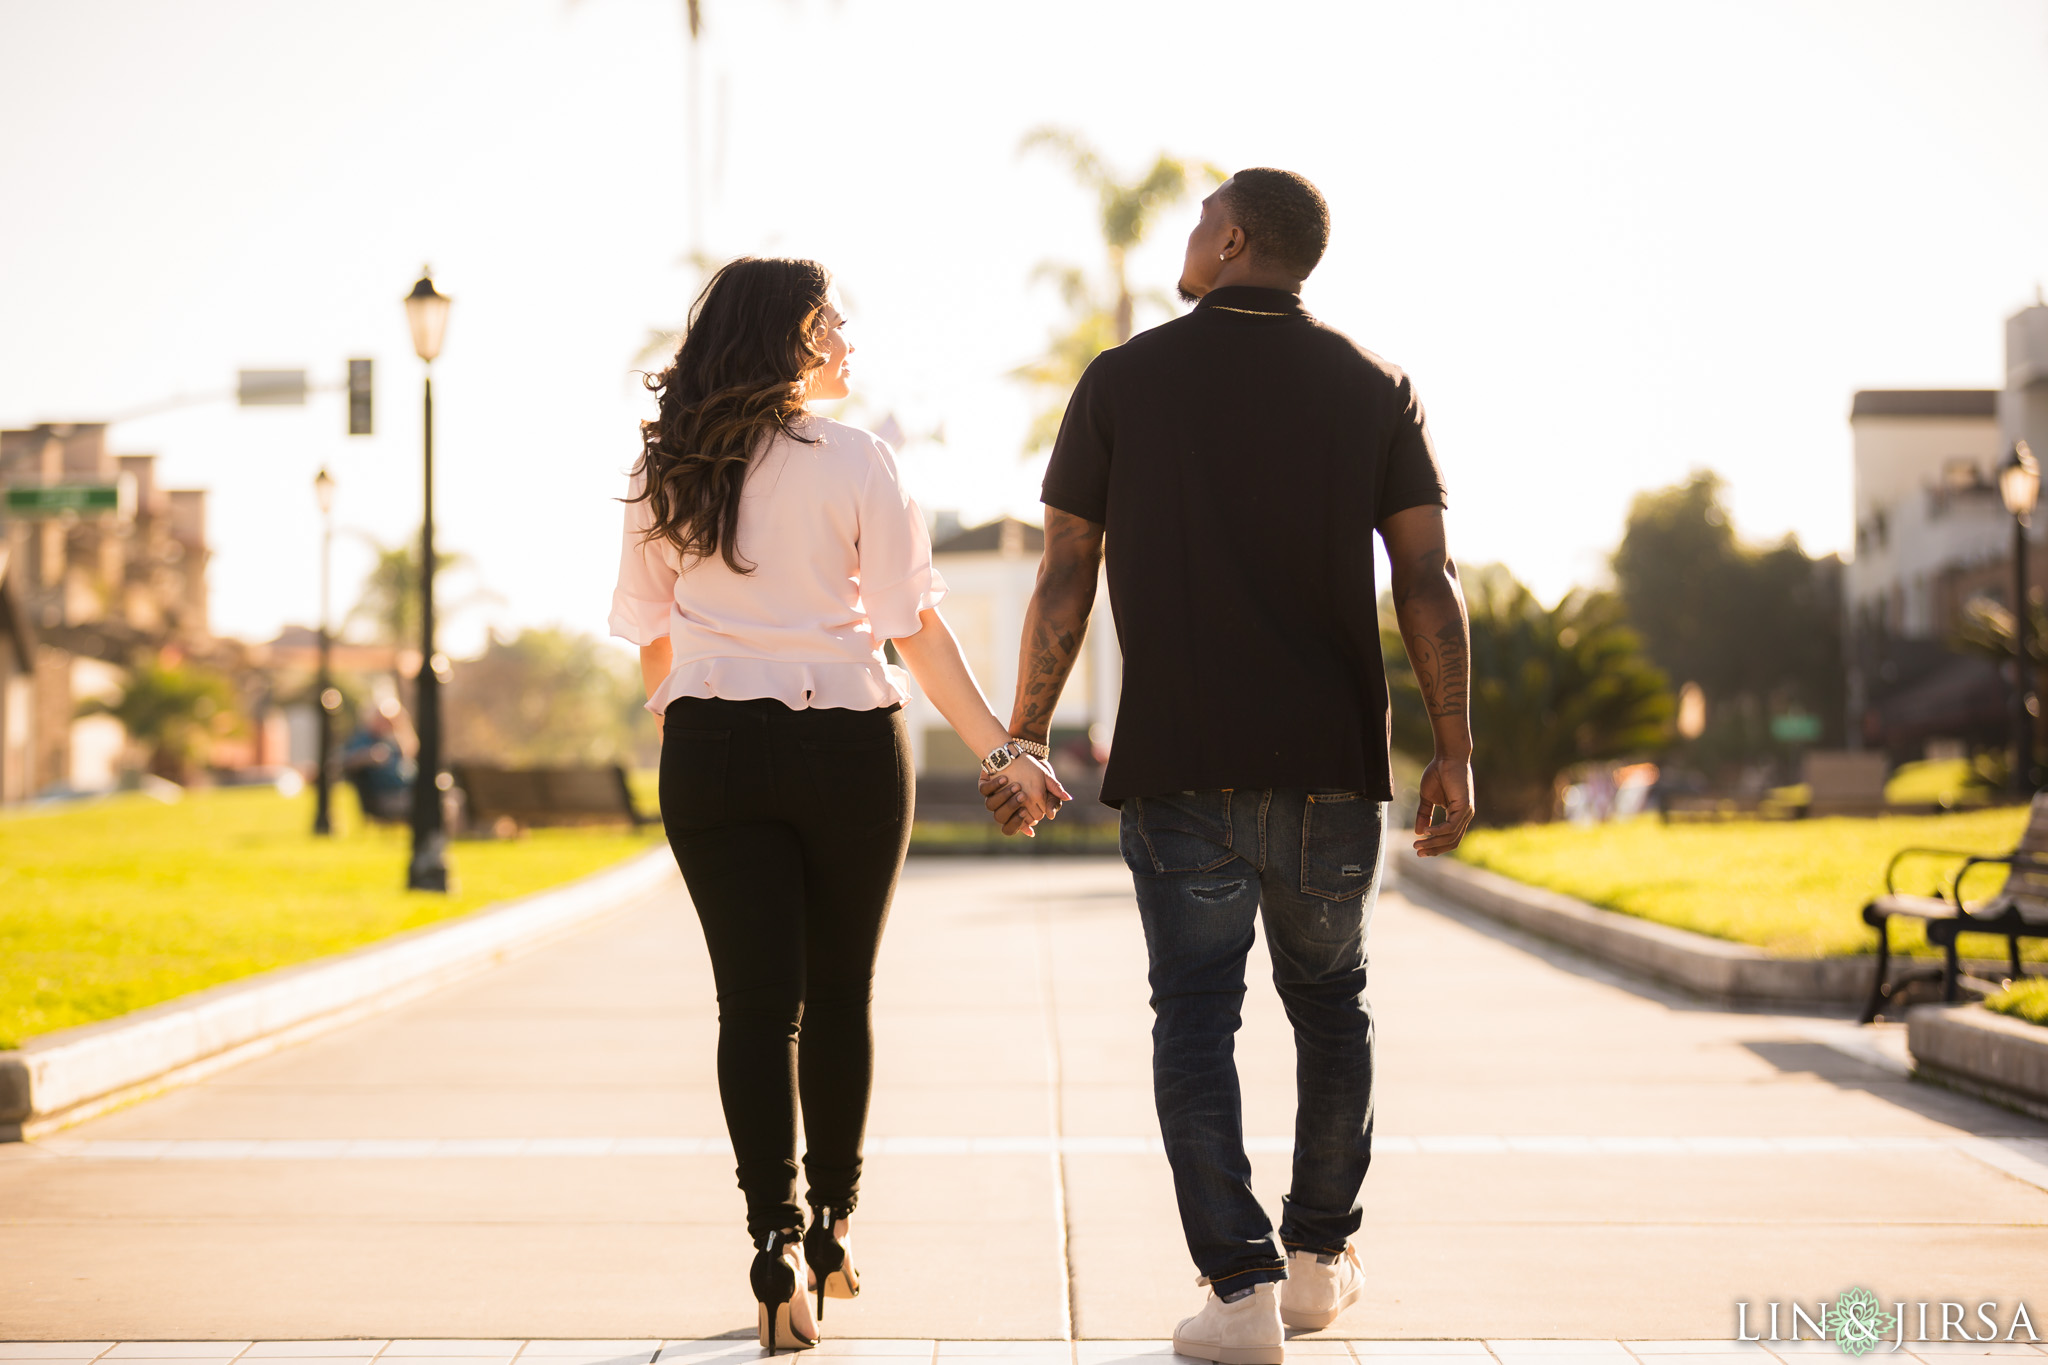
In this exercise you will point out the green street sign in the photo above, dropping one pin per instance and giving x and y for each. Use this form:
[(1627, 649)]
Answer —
[(52, 500), (1795, 727)]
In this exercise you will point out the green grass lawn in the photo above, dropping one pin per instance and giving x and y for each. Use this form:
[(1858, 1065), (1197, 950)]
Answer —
[(1950, 782), (118, 904), (2026, 1000), (1790, 887)]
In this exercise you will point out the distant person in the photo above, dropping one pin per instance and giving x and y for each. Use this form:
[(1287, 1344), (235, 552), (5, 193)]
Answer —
[(769, 553), (1237, 461), (377, 759)]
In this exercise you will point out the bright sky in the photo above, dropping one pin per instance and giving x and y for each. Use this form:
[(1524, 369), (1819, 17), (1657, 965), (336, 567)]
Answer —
[(1612, 242)]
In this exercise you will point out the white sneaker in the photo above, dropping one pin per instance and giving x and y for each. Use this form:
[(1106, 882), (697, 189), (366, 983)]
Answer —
[(1247, 1332), (1320, 1287)]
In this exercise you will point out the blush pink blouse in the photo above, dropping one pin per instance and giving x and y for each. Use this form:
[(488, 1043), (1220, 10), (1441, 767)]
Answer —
[(841, 562)]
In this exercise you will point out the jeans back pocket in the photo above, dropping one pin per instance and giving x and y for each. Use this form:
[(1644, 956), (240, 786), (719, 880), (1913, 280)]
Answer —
[(1340, 844), (1182, 831)]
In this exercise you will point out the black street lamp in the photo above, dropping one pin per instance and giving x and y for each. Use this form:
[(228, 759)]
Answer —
[(2019, 485), (324, 693), (426, 312)]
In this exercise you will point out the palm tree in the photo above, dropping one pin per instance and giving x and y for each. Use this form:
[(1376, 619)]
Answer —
[(1128, 209), (1986, 628), (389, 601)]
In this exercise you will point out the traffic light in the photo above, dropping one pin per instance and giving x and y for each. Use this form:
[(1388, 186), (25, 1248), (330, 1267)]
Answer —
[(359, 390)]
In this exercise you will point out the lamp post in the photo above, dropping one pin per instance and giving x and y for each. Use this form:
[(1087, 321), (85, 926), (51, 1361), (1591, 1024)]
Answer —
[(2019, 485), (426, 312), (325, 697)]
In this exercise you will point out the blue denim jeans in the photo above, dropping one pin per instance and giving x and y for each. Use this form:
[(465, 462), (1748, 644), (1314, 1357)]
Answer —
[(1206, 864)]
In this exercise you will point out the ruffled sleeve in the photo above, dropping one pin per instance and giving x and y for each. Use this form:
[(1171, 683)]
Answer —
[(897, 579), (647, 576)]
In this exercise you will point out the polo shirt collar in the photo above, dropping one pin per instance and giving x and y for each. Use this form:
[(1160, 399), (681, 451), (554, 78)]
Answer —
[(1249, 303)]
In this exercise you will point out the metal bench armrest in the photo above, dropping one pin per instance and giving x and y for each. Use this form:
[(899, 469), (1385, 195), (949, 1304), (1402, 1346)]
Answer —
[(1920, 851), (2036, 862), (2014, 859)]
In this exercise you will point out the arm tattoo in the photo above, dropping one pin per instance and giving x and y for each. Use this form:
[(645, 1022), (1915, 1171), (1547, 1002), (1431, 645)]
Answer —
[(1433, 627), (1443, 667), (1056, 621)]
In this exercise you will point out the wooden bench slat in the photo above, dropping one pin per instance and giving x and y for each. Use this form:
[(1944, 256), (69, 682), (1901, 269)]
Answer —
[(547, 796)]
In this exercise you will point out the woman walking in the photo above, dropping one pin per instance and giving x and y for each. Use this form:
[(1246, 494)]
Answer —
[(768, 555)]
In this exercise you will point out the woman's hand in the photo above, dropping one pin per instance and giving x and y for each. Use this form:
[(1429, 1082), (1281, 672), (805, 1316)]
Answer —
[(655, 662), (1023, 794)]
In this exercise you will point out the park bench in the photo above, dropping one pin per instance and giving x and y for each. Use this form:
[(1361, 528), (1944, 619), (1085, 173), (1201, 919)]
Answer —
[(2018, 910), (1837, 782), (1841, 782), (505, 799)]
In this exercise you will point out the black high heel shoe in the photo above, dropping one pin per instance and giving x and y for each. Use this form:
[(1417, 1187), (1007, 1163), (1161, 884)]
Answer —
[(829, 1259), (785, 1318)]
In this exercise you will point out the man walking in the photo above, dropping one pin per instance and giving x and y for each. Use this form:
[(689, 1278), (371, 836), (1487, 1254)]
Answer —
[(1237, 460)]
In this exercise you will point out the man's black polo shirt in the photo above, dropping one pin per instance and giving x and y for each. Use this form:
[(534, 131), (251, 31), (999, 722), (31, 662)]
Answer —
[(1240, 458)]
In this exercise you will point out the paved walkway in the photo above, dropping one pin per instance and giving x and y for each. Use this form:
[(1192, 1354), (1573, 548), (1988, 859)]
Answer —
[(874, 1351), (535, 1155)]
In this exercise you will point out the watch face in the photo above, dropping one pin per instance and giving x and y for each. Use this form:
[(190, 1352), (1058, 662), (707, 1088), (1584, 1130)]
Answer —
[(999, 760)]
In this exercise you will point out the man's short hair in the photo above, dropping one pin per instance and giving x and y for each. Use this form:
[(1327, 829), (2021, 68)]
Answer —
[(1285, 221)]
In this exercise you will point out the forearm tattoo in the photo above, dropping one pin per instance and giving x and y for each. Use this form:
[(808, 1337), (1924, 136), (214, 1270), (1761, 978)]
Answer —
[(1443, 668), (1052, 649), (1057, 621)]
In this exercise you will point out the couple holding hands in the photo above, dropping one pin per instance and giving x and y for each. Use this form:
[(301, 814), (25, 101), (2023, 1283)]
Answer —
[(1235, 462)]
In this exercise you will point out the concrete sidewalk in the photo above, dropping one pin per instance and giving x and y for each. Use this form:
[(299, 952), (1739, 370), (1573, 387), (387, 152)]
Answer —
[(538, 1153), (910, 1351)]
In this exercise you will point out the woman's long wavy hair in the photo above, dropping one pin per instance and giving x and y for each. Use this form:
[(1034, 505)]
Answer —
[(739, 378)]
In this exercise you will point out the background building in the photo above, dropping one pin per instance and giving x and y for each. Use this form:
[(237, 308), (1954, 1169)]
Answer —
[(990, 572), (1931, 535), (102, 566), (17, 691)]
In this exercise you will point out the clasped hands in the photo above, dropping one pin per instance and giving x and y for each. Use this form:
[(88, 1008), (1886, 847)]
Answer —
[(1023, 794)]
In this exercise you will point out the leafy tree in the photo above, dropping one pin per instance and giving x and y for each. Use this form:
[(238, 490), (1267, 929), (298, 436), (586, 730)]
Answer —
[(176, 710), (1099, 318), (548, 697), (1551, 687), (1759, 630)]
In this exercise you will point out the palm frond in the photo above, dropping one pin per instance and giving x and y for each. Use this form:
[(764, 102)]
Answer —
[(1083, 160)]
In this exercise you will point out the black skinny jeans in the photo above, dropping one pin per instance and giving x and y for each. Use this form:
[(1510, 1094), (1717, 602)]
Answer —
[(790, 828)]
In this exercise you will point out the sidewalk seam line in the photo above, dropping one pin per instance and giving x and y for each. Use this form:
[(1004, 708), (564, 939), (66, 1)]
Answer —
[(1057, 1118)]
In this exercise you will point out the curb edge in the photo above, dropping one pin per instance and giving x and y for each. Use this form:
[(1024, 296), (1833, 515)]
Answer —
[(69, 1075)]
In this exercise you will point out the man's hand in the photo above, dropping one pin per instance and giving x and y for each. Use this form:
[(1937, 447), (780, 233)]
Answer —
[(1431, 611), (1007, 802), (1447, 784)]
